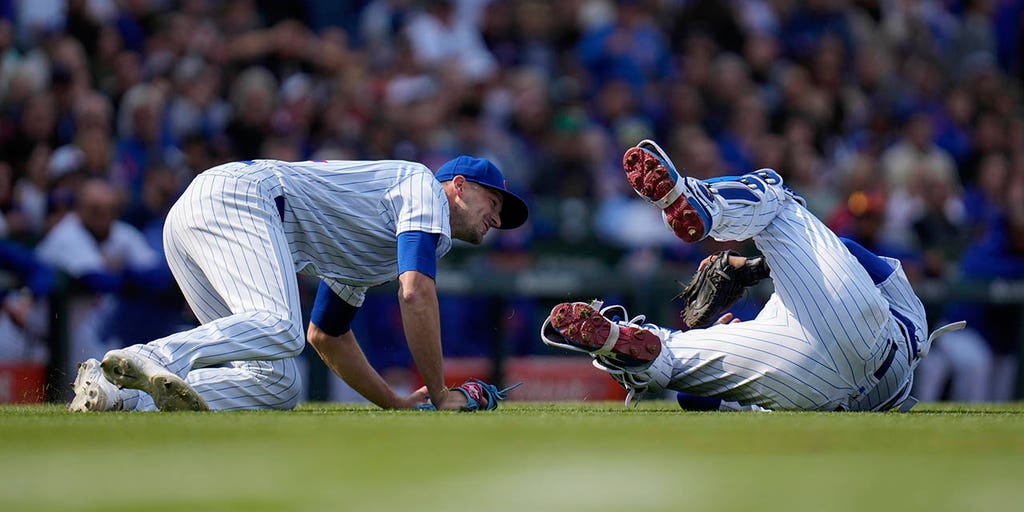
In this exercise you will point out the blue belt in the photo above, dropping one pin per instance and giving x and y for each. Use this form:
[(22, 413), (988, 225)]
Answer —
[(910, 334), (279, 202), (884, 367), (908, 331)]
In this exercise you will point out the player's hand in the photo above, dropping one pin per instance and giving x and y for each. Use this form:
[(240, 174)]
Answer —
[(421, 396), (417, 397), (727, 318), (736, 261), (452, 401), (717, 285), (472, 395)]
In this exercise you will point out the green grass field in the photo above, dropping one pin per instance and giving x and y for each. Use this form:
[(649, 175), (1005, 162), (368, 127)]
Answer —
[(523, 457)]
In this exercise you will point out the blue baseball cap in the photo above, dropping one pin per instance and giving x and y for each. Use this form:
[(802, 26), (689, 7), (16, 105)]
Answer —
[(481, 171)]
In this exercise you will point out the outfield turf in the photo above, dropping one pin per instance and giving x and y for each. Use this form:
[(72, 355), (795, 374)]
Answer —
[(523, 457)]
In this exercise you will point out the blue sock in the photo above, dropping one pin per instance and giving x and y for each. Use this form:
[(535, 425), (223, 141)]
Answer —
[(690, 402), (877, 268)]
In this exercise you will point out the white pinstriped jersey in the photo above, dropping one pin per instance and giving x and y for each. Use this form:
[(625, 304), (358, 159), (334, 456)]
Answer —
[(235, 258), (342, 218)]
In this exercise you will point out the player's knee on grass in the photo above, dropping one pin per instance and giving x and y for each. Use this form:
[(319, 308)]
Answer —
[(274, 384), (287, 333), (289, 400)]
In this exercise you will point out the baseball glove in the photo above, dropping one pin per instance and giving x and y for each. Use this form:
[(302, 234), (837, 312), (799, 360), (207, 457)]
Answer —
[(717, 286), (479, 395)]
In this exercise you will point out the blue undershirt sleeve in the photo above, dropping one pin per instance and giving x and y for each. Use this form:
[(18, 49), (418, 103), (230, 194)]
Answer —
[(102, 282), (330, 313), (690, 402), (876, 267), (417, 251)]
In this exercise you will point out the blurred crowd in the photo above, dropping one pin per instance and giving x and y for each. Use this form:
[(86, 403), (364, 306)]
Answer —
[(900, 122)]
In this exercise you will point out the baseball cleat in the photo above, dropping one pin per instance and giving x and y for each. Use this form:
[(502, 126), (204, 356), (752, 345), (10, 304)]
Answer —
[(584, 328), (169, 392), (651, 174), (93, 392), (617, 313)]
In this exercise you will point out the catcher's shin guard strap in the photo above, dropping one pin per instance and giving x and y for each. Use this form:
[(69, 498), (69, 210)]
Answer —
[(699, 197), (609, 344), (677, 190)]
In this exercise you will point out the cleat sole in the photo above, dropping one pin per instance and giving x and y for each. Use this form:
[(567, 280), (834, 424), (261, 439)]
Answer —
[(169, 392), (585, 328), (648, 176)]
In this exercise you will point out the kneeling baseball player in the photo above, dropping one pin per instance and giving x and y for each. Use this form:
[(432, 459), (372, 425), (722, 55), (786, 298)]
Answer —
[(842, 332), (237, 237)]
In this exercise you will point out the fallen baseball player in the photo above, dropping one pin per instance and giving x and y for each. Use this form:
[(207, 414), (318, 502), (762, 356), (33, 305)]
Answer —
[(843, 330)]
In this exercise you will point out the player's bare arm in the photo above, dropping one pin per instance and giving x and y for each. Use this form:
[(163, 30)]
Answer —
[(345, 358), (417, 297)]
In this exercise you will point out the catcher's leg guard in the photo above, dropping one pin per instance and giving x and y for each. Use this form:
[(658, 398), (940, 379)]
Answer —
[(726, 208), (652, 175), (579, 326)]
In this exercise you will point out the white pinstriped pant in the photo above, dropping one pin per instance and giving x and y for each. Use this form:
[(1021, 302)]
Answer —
[(821, 336), (227, 249)]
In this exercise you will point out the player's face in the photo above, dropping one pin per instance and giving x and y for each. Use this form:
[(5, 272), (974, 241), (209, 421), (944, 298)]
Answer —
[(476, 210)]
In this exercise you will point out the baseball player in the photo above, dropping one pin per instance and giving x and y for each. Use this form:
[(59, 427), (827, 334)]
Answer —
[(842, 331), (235, 240)]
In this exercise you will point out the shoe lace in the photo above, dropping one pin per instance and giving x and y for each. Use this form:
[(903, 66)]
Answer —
[(611, 313), (635, 386)]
